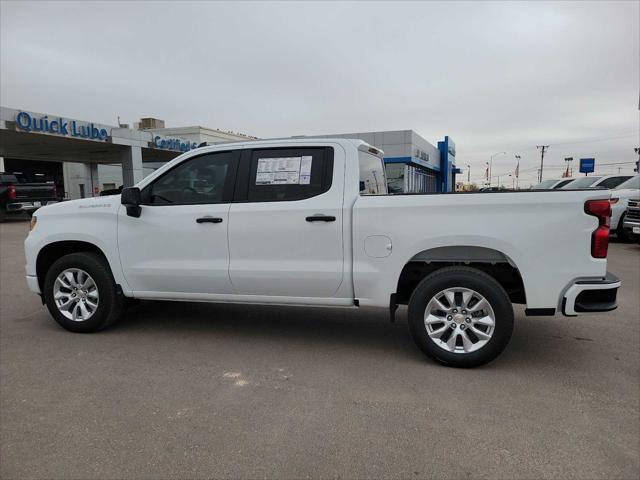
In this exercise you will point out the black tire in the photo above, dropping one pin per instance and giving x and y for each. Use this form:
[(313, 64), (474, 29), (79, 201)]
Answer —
[(621, 233), (469, 278), (110, 303)]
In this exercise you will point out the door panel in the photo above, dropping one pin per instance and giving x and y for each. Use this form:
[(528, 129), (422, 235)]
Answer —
[(179, 244), (274, 250), (167, 250)]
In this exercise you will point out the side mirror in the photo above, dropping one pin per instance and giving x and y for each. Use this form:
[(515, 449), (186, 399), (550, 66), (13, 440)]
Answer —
[(131, 198)]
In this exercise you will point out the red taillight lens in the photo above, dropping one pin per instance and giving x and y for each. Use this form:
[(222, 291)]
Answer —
[(55, 191), (600, 237), (11, 191)]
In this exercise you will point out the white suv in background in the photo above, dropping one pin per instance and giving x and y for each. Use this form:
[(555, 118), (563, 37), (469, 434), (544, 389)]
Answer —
[(619, 202), (553, 183), (607, 181)]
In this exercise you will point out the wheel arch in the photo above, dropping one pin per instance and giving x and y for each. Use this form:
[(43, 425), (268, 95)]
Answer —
[(490, 261), (55, 250)]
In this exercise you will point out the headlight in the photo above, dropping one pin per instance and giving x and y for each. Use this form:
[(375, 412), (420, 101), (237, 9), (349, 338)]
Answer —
[(34, 220), (614, 200)]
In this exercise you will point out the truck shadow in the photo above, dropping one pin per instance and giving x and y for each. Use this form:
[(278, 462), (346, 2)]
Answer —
[(333, 327), (533, 343)]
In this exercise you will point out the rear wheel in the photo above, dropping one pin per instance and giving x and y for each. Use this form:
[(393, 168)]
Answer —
[(460, 317), (81, 294)]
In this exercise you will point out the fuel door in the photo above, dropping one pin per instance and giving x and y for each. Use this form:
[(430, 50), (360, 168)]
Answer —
[(378, 246)]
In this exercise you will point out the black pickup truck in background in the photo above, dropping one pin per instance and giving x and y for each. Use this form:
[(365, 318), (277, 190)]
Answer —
[(18, 195)]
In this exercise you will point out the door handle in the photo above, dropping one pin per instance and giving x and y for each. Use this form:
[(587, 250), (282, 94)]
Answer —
[(209, 220), (321, 218)]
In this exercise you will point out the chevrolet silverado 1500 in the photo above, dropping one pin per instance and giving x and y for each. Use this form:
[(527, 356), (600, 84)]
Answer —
[(309, 222)]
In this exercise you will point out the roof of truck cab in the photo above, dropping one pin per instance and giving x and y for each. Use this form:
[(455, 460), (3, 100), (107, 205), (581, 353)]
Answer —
[(288, 140)]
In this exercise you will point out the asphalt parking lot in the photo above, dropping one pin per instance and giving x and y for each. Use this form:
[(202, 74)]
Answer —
[(203, 391)]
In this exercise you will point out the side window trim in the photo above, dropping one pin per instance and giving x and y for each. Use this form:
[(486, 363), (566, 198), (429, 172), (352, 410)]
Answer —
[(244, 173), (229, 183)]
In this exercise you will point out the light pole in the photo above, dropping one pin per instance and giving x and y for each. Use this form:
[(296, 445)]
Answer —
[(469, 174), (491, 164), (517, 172)]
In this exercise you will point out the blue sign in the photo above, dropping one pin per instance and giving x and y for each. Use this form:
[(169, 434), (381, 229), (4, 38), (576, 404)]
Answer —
[(587, 165), (60, 126), (173, 144)]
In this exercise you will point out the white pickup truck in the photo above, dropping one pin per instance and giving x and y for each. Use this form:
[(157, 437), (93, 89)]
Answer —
[(309, 222)]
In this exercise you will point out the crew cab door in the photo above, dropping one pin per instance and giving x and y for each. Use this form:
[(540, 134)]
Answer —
[(285, 226), (179, 244)]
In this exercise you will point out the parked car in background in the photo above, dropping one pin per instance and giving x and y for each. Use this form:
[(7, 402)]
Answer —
[(18, 195), (607, 181), (620, 197), (631, 222), (552, 183), (311, 223)]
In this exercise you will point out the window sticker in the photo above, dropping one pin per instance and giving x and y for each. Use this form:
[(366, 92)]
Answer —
[(284, 171), (305, 170)]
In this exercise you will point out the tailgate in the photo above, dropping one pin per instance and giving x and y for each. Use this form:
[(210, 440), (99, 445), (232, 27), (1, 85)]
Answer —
[(28, 192)]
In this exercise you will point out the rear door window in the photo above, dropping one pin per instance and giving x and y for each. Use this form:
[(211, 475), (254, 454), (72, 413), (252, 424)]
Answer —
[(285, 174)]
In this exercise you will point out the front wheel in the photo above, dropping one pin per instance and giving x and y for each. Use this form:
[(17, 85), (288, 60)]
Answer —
[(460, 317), (81, 294), (621, 233)]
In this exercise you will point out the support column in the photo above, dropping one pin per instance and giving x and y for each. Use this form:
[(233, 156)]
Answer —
[(132, 171), (95, 181)]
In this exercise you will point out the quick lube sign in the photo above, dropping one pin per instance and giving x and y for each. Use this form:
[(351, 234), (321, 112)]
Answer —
[(60, 126)]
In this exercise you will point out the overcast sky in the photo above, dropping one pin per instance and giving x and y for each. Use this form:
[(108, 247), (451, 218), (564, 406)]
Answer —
[(495, 76)]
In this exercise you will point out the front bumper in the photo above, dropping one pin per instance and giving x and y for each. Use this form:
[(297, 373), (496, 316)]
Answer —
[(590, 296), (632, 228), (32, 283)]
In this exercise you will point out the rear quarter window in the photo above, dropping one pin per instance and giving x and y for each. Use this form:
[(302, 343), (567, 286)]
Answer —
[(373, 178)]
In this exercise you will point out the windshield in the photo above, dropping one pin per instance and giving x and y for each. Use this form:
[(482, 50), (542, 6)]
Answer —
[(633, 182), (8, 179), (583, 182), (545, 185)]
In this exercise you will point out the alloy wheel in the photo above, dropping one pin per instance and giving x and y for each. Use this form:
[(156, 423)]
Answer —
[(75, 294), (459, 320)]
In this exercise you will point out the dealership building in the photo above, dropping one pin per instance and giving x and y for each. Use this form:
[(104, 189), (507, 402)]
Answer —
[(84, 158), (413, 164)]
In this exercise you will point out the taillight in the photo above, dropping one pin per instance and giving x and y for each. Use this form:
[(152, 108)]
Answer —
[(11, 191), (55, 191), (600, 236)]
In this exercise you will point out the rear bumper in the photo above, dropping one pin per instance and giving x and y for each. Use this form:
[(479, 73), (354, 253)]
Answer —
[(590, 296), (18, 207)]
